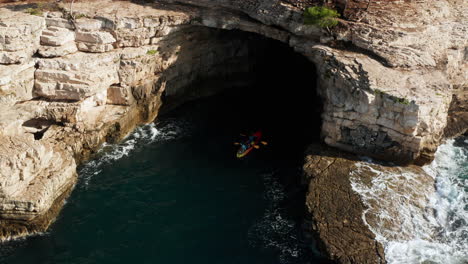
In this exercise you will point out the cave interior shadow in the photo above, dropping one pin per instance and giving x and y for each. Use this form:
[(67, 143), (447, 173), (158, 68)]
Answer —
[(277, 94)]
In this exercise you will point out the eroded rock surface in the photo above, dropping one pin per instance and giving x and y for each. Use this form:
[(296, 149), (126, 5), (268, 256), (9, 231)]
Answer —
[(335, 210), (457, 123), (19, 37), (349, 200)]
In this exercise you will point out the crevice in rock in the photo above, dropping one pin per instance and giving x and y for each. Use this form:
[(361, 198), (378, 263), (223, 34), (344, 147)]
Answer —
[(45, 99), (351, 47), (39, 126)]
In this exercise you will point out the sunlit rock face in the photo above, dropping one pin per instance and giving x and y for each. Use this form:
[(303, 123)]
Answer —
[(385, 113), (385, 80)]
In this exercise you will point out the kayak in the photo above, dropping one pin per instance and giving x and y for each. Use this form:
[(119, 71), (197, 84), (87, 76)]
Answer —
[(243, 152)]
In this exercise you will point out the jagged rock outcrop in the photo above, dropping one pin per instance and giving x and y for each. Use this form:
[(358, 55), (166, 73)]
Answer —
[(35, 176), (457, 123), (385, 79), (350, 200), (335, 210), (363, 114)]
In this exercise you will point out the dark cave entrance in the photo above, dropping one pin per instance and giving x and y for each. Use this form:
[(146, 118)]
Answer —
[(285, 92), (275, 91), (278, 96)]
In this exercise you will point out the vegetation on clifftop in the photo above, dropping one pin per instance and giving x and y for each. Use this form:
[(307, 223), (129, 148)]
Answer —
[(151, 52), (321, 16)]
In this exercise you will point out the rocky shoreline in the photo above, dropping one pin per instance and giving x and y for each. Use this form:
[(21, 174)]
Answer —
[(335, 210), (67, 86), (342, 220)]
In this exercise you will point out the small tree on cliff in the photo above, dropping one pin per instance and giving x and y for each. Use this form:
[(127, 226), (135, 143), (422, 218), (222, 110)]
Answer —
[(321, 16)]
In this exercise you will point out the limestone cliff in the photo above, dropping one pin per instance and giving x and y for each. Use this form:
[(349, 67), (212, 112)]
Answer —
[(68, 85)]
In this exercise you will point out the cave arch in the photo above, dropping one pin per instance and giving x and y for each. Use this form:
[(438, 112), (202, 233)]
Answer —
[(269, 79)]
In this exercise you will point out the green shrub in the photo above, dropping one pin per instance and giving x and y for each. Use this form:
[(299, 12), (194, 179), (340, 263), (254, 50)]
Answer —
[(321, 16), (402, 101), (38, 9), (34, 11), (378, 92), (80, 16), (151, 52), (395, 99)]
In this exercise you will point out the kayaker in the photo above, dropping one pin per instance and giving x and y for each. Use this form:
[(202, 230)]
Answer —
[(250, 143), (245, 145)]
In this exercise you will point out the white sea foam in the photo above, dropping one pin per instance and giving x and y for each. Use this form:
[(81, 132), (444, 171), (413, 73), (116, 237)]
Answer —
[(427, 228), (275, 230), (142, 135)]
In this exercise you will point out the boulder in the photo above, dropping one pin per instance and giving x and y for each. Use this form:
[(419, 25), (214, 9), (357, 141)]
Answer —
[(88, 24), (97, 37), (15, 57), (96, 41), (55, 36), (60, 51)]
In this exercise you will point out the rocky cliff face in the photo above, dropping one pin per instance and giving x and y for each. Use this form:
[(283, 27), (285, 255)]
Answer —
[(385, 79)]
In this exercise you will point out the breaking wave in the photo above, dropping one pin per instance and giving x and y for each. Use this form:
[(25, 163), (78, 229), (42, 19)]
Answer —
[(430, 227), (142, 135)]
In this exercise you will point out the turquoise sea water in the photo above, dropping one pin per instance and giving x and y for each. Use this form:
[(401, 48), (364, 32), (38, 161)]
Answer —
[(173, 192)]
